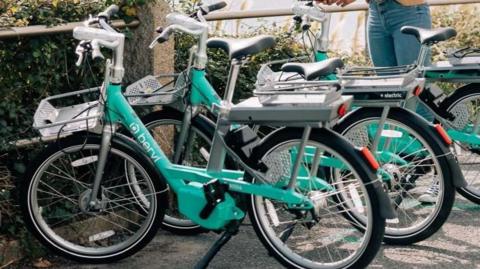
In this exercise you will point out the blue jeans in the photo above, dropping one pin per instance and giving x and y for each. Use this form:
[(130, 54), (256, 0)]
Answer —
[(390, 47), (387, 45)]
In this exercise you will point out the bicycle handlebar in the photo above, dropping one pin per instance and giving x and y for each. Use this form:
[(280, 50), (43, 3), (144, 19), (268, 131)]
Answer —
[(107, 13), (92, 39), (312, 12), (213, 7)]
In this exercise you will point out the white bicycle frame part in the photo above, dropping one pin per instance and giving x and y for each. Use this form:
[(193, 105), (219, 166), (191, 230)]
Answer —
[(102, 38), (181, 23), (313, 12), (316, 13)]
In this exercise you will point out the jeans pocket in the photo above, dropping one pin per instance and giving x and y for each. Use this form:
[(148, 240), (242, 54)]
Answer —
[(400, 5), (423, 16), (419, 7), (422, 9)]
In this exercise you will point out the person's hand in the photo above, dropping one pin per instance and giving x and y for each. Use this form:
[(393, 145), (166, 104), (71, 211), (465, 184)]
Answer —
[(341, 3)]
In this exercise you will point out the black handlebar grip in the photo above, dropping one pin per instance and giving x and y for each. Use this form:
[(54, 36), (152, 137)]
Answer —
[(216, 6), (163, 37), (110, 11)]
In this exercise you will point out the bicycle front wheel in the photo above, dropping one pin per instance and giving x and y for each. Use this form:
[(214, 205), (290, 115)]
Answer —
[(322, 237), (58, 185)]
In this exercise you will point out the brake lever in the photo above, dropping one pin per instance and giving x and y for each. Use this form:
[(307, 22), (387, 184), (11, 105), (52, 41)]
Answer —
[(82, 48), (91, 20), (162, 37), (200, 16), (80, 53), (96, 53)]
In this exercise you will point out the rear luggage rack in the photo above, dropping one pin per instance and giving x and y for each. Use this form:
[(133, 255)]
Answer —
[(377, 86), (375, 72), (271, 89), (464, 56)]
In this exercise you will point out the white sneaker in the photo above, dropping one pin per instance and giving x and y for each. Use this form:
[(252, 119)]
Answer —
[(430, 195)]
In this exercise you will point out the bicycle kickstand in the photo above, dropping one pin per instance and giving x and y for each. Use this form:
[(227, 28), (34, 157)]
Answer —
[(215, 248)]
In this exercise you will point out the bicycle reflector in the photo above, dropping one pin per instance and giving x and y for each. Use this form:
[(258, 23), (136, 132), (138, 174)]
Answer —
[(369, 157), (443, 134), (342, 110), (418, 90)]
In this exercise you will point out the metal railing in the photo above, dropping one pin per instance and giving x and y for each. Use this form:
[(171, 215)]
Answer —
[(16, 32), (234, 15), (36, 30)]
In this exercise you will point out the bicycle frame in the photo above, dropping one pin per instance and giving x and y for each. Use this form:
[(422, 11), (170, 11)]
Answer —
[(190, 183), (191, 195), (118, 111)]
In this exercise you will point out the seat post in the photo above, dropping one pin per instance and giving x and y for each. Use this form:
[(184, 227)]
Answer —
[(232, 80), (422, 55)]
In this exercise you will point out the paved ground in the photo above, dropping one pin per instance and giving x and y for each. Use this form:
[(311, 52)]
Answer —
[(457, 245)]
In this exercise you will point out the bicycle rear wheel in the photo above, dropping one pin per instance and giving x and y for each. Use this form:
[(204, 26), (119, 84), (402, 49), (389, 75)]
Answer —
[(323, 237), (55, 193), (464, 104), (414, 163)]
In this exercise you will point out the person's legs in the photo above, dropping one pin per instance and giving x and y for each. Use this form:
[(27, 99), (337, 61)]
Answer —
[(380, 42), (407, 47)]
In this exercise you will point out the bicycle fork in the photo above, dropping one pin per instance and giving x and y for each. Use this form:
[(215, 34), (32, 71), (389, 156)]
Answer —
[(185, 134), (107, 134)]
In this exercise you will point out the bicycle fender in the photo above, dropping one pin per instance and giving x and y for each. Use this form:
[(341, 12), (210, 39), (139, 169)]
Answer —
[(457, 175)]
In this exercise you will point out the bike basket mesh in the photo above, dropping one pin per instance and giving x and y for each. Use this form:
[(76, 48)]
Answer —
[(461, 114), (279, 166), (149, 90), (358, 137), (68, 113)]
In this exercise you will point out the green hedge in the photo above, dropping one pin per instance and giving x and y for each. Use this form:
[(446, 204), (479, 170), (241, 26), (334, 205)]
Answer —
[(33, 68)]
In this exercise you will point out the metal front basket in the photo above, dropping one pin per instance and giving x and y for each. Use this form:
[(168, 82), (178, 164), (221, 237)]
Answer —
[(68, 113), (150, 91), (464, 56)]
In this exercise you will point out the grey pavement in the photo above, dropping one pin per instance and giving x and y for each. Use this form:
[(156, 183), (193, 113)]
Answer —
[(456, 245)]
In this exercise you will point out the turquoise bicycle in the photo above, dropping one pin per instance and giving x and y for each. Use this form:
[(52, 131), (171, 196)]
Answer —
[(411, 152), (98, 196), (457, 112)]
